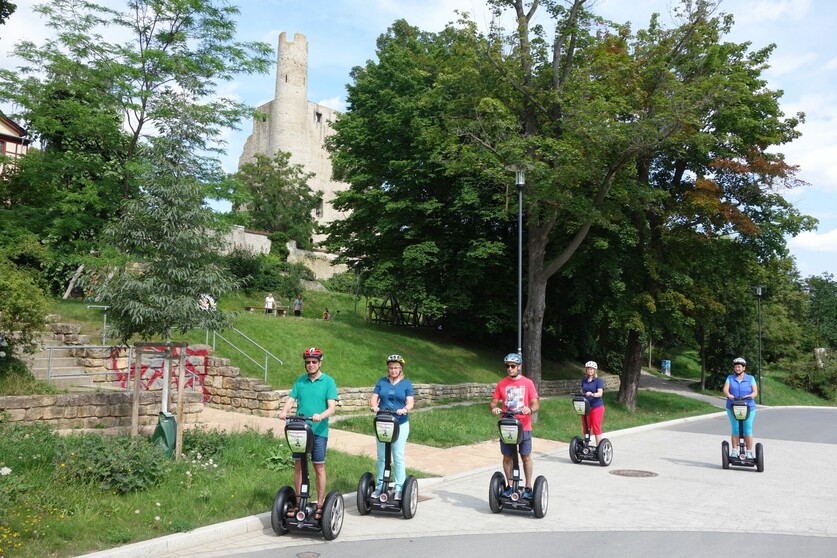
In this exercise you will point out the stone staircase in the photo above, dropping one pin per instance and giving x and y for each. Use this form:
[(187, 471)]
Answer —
[(66, 373)]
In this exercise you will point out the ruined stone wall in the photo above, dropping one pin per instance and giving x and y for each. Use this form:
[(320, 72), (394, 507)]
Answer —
[(321, 264)]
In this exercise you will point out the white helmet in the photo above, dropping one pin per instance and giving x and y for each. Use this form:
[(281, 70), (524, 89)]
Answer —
[(591, 364)]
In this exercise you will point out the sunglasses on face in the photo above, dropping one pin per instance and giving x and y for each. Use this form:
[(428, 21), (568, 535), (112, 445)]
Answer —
[(511, 366), (307, 362)]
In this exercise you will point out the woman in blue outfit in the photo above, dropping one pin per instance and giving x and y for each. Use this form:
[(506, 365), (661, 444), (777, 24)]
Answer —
[(394, 392), (741, 385)]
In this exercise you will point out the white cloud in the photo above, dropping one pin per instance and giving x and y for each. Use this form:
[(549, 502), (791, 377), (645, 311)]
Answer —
[(772, 10), (336, 103), (815, 241)]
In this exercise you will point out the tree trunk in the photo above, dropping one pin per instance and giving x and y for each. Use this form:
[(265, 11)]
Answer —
[(631, 371)]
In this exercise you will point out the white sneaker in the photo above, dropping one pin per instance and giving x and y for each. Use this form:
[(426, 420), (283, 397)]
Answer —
[(733, 453), (749, 454), (376, 493), (397, 495)]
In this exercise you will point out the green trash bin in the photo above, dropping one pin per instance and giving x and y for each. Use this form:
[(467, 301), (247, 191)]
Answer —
[(165, 435)]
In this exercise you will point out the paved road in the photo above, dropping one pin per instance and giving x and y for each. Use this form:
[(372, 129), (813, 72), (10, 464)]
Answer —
[(690, 508)]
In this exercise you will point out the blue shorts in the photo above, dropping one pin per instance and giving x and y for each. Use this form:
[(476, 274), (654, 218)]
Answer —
[(525, 447), (318, 452)]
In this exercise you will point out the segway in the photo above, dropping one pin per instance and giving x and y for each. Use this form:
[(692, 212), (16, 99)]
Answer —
[(511, 433), (580, 448), (741, 412), (387, 430), (300, 439)]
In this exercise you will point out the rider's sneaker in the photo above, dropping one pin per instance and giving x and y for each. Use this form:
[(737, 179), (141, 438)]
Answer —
[(733, 453), (527, 493), (376, 493), (749, 454), (397, 495), (508, 492)]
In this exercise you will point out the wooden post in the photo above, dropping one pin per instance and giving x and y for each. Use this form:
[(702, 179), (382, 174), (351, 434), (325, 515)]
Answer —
[(181, 384), (135, 407)]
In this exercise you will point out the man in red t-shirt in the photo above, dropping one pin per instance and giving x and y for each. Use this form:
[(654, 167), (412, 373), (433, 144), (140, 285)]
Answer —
[(516, 393)]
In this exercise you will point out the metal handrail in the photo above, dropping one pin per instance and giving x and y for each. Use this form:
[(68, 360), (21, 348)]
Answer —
[(52, 348), (267, 354)]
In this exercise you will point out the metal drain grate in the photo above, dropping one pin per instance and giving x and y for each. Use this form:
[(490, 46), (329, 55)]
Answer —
[(632, 473)]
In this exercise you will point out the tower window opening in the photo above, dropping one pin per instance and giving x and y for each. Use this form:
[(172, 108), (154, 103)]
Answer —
[(318, 116), (319, 210)]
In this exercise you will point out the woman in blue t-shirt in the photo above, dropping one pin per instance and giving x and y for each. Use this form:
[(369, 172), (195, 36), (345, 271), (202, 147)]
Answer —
[(741, 385), (593, 389), (394, 392)]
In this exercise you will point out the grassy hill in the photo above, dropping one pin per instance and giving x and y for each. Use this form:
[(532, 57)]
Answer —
[(355, 350)]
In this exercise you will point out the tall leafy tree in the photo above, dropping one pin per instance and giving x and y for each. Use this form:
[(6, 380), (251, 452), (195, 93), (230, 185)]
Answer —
[(822, 310), (433, 234), (91, 104), (167, 244), (275, 196)]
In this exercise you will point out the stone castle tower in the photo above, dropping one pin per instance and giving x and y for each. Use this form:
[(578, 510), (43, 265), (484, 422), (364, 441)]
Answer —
[(292, 123)]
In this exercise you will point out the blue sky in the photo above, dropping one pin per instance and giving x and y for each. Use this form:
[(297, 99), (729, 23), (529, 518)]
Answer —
[(342, 34)]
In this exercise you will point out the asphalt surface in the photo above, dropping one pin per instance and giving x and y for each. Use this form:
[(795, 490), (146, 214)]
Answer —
[(664, 494)]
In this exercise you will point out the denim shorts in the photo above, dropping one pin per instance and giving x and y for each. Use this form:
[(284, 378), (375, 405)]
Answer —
[(318, 452), (525, 447)]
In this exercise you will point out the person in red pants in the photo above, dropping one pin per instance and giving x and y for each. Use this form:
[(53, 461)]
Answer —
[(593, 389)]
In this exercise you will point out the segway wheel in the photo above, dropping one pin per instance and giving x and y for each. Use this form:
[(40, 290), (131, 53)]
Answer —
[(725, 454), (333, 512), (575, 449), (495, 489), (364, 493), (759, 458), (605, 452), (540, 496), (283, 501), (409, 497)]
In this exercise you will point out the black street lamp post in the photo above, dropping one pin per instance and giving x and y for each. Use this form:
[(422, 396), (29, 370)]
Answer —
[(520, 180), (758, 294)]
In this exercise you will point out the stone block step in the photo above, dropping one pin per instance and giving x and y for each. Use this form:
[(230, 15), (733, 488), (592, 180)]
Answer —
[(42, 362)]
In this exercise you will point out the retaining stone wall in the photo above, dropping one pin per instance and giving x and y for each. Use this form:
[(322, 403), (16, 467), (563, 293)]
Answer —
[(93, 410), (228, 390)]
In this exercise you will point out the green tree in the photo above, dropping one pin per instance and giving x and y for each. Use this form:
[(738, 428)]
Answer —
[(434, 234), (6, 10), (92, 104), (822, 310), (168, 245), (275, 195)]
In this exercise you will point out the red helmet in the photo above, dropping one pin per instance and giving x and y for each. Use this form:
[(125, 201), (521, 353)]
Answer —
[(313, 352)]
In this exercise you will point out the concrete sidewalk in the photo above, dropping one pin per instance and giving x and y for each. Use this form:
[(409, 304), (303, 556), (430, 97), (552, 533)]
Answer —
[(665, 479), (442, 462)]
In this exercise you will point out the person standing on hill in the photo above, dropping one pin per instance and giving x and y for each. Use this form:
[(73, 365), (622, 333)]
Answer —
[(269, 303), (298, 306)]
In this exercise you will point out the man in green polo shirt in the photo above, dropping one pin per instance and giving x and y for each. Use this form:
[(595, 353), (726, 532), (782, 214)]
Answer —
[(315, 394)]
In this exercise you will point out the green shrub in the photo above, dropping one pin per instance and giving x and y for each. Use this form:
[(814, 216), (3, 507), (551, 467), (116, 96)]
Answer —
[(279, 245), (115, 464), (822, 382), (342, 283), (206, 443)]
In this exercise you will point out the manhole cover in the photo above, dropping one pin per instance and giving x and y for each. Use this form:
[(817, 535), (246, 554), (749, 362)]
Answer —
[(632, 473)]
